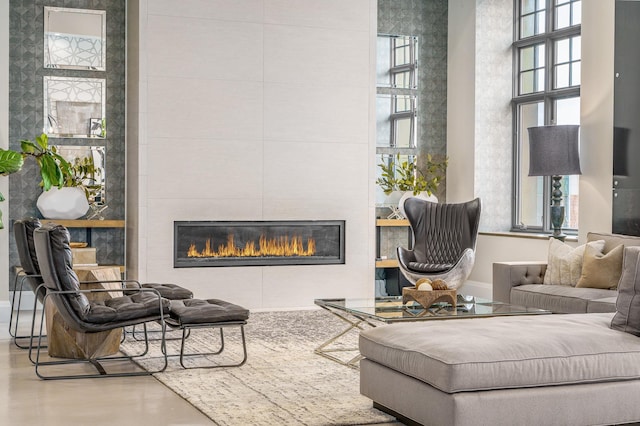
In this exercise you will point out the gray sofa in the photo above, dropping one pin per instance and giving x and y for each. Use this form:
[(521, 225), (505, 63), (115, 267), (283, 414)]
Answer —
[(521, 283)]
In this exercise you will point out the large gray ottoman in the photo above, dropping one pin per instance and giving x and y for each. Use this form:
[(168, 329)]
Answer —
[(527, 370)]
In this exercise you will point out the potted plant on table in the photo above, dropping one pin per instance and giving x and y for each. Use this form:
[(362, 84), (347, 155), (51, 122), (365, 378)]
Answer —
[(403, 179), (76, 186), (52, 166)]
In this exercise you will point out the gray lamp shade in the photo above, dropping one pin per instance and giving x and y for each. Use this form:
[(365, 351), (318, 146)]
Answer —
[(554, 151)]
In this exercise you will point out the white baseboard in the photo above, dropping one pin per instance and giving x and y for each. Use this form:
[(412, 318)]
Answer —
[(477, 289), (5, 311), (26, 304)]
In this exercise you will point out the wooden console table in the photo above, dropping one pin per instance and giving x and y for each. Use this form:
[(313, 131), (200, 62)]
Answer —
[(64, 341)]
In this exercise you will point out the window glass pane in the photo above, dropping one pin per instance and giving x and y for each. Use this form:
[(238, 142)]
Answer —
[(383, 120), (526, 58), (527, 6), (526, 82), (539, 80), (540, 56), (383, 61), (395, 120), (576, 16), (527, 26), (563, 16), (562, 50), (576, 48), (401, 79), (575, 74), (541, 22), (531, 188), (401, 53), (402, 103), (404, 132), (540, 4), (567, 111), (561, 76)]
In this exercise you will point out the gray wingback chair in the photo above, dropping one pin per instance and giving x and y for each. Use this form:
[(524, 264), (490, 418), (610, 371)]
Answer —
[(444, 241)]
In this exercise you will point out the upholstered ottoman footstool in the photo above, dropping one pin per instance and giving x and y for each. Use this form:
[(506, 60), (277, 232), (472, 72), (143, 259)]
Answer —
[(565, 370), (211, 313), (168, 291)]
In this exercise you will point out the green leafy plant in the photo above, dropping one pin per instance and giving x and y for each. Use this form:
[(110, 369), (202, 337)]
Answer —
[(405, 176), (10, 162), (53, 168), (82, 173)]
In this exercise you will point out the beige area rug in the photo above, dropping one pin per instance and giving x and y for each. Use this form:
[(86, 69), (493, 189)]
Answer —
[(283, 381)]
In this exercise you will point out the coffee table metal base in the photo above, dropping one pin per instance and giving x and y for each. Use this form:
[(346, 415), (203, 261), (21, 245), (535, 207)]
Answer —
[(355, 322)]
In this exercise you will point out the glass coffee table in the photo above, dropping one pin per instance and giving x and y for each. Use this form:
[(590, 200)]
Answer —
[(371, 312)]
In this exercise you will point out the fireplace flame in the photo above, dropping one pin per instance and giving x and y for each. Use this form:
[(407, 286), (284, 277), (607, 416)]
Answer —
[(282, 246)]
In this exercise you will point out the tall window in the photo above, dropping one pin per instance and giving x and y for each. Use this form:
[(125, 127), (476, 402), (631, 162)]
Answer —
[(546, 91), (396, 103)]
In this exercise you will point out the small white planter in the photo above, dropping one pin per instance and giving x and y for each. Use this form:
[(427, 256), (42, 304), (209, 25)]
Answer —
[(63, 203), (422, 195)]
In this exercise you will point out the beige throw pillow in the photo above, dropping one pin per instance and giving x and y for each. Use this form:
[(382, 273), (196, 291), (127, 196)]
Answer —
[(601, 270), (564, 264)]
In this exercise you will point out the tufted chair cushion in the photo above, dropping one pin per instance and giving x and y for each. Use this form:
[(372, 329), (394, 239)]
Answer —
[(196, 311), (123, 308), (430, 267)]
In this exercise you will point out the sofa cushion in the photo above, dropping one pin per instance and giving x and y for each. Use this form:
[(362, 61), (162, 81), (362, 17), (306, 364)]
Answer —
[(601, 270), (612, 241), (606, 304), (627, 317), (506, 352), (556, 298), (564, 264)]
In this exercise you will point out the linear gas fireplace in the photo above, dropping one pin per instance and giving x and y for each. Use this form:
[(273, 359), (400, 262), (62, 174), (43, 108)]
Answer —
[(258, 243)]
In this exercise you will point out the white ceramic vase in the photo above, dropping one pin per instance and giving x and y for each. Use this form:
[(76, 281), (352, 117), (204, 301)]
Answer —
[(63, 203), (393, 198), (409, 194)]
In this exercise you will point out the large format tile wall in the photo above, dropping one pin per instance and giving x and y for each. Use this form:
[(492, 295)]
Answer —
[(252, 110)]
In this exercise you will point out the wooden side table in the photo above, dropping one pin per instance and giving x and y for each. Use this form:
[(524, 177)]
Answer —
[(65, 342)]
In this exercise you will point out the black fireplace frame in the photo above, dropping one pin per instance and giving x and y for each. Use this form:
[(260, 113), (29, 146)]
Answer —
[(182, 262)]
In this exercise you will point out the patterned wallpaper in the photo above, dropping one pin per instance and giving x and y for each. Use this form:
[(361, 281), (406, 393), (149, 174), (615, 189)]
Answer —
[(26, 113), (426, 19)]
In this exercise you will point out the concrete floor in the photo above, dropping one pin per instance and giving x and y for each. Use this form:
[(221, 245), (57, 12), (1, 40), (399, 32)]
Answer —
[(27, 400)]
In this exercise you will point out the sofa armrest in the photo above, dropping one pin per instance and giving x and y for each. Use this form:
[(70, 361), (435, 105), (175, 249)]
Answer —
[(510, 274)]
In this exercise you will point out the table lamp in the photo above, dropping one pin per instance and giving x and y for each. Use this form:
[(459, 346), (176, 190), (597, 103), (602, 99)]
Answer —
[(554, 151)]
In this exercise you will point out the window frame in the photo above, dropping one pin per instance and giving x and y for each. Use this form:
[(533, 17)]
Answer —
[(548, 97)]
